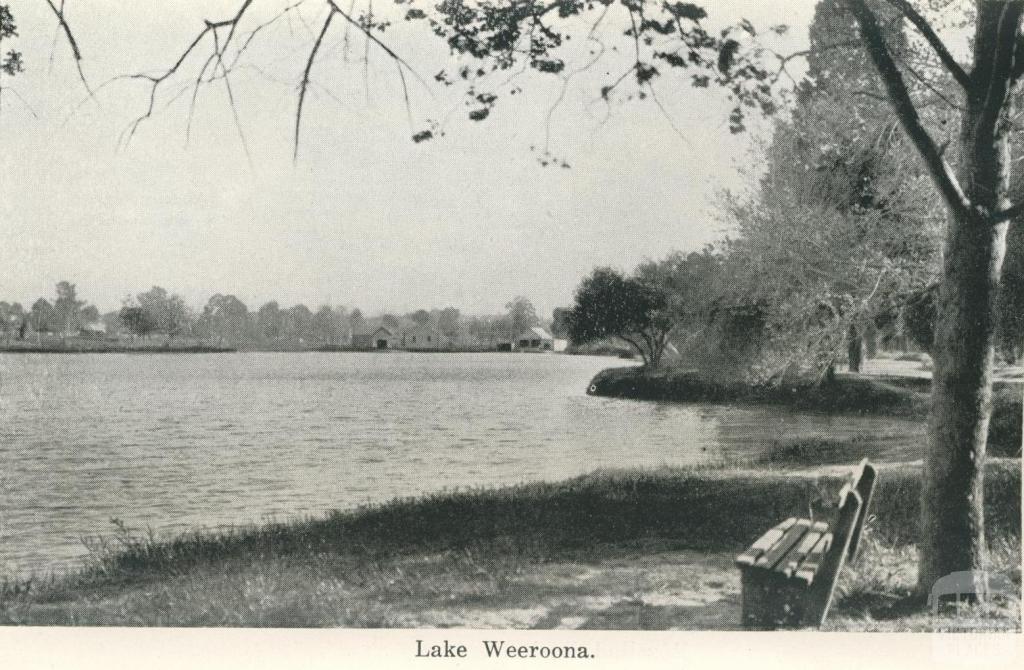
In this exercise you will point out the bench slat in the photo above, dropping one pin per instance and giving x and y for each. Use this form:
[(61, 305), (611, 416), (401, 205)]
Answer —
[(810, 565), (782, 547), (764, 543), (797, 557)]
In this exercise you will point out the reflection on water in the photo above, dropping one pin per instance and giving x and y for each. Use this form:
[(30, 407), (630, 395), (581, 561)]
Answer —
[(176, 442)]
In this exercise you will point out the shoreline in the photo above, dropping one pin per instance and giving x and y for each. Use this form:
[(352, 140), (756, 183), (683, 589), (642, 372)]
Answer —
[(901, 397), (498, 548), (198, 349)]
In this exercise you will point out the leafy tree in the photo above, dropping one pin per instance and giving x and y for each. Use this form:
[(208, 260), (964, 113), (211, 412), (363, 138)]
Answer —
[(329, 324), (166, 313), (10, 62), (420, 317), (356, 320), (559, 328), (137, 320), (691, 284), (112, 322), (449, 321), (42, 316), (67, 308), (12, 316), (298, 323), (90, 315), (520, 315), (269, 321), (226, 318), (610, 305), (843, 223)]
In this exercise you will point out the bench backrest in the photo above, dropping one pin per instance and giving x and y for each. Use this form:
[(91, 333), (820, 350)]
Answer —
[(846, 532), (863, 482), (824, 584)]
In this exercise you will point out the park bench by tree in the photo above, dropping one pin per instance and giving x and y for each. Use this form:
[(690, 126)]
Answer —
[(789, 574)]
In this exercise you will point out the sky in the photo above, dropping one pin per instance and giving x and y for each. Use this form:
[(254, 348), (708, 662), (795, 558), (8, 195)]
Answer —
[(364, 217)]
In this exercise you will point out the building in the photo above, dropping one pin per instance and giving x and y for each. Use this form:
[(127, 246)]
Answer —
[(382, 338), (535, 339), (425, 338)]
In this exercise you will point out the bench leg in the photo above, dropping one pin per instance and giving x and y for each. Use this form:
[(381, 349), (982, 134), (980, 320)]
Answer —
[(771, 601)]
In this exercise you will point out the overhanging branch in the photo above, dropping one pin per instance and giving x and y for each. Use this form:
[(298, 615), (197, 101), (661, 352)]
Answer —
[(934, 40), (903, 106)]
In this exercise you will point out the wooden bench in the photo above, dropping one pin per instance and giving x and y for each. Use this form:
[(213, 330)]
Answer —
[(789, 574)]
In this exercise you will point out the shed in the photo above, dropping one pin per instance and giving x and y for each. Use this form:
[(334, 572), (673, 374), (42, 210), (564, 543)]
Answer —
[(535, 339), (382, 338)]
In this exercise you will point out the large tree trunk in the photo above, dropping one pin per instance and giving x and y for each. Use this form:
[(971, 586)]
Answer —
[(952, 495), (953, 527)]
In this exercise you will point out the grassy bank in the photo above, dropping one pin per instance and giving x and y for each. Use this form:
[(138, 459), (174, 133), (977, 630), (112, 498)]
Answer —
[(470, 551), (846, 394)]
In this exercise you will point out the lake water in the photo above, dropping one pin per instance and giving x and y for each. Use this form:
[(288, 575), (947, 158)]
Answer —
[(179, 442)]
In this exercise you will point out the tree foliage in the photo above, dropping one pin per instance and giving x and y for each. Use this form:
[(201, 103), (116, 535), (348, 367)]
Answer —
[(610, 305)]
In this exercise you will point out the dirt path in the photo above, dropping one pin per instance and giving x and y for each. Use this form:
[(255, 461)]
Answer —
[(668, 590)]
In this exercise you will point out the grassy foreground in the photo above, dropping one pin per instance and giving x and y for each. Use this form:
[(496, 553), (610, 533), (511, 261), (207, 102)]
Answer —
[(618, 549)]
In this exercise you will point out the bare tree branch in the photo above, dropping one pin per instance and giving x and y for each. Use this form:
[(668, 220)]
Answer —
[(903, 106), (366, 31), (157, 80), (934, 40), (76, 52), (304, 85)]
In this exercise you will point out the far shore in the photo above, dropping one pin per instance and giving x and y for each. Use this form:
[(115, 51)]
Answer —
[(117, 349)]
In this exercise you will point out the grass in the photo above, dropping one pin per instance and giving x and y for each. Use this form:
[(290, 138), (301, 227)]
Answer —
[(511, 557), (847, 394), (875, 593)]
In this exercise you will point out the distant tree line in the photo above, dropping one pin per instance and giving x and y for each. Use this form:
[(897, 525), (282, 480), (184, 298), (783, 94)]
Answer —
[(225, 320)]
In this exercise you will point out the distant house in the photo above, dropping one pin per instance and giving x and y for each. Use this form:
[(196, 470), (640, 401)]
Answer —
[(382, 338), (425, 338), (92, 330), (535, 339)]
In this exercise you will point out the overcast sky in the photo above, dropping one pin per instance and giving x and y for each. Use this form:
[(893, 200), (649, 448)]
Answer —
[(365, 217)]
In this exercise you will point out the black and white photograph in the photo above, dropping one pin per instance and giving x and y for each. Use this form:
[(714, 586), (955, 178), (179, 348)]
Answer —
[(521, 319)]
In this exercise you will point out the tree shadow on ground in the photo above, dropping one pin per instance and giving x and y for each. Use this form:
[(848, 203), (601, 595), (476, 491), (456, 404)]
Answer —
[(635, 614)]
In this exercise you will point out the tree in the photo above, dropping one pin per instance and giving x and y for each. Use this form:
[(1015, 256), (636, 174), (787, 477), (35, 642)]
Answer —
[(842, 224), (12, 316), (67, 308), (136, 319), (165, 313), (226, 318), (10, 62), (90, 315), (691, 284), (520, 315), (269, 321), (976, 196), (558, 323), (449, 321), (608, 305), (298, 323), (329, 324), (41, 317), (420, 317), (1011, 297)]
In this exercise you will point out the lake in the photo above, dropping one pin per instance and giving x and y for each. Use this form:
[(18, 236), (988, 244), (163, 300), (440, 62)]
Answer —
[(180, 442)]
